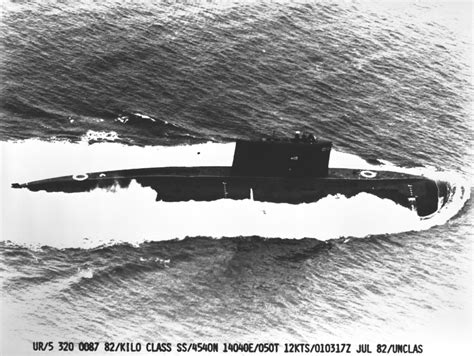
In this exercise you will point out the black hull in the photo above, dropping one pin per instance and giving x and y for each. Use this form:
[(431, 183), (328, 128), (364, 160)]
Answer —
[(212, 183)]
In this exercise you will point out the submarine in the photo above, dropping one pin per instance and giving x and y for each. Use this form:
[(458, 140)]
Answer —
[(290, 171)]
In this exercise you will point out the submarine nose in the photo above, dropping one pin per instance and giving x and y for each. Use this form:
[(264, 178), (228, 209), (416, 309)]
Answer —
[(444, 192), (436, 195)]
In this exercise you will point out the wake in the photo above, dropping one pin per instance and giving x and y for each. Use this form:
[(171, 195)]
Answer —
[(132, 215)]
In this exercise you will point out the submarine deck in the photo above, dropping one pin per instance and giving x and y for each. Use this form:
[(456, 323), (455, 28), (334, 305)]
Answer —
[(211, 183), (223, 172)]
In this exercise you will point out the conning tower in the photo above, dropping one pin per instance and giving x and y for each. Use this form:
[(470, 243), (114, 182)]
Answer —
[(300, 157)]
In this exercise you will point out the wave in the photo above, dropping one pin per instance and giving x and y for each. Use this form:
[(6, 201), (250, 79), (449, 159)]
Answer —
[(132, 215), (107, 275)]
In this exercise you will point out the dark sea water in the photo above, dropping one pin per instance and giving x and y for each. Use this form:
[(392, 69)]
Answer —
[(387, 81)]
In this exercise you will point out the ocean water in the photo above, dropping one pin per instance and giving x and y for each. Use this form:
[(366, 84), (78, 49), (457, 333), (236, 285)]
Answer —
[(389, 81)]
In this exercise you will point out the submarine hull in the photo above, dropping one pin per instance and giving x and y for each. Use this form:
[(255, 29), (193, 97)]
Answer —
[(423, 195)]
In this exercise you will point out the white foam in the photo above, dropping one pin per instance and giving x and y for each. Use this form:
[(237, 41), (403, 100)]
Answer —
[(93, 136), (132, 215)]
